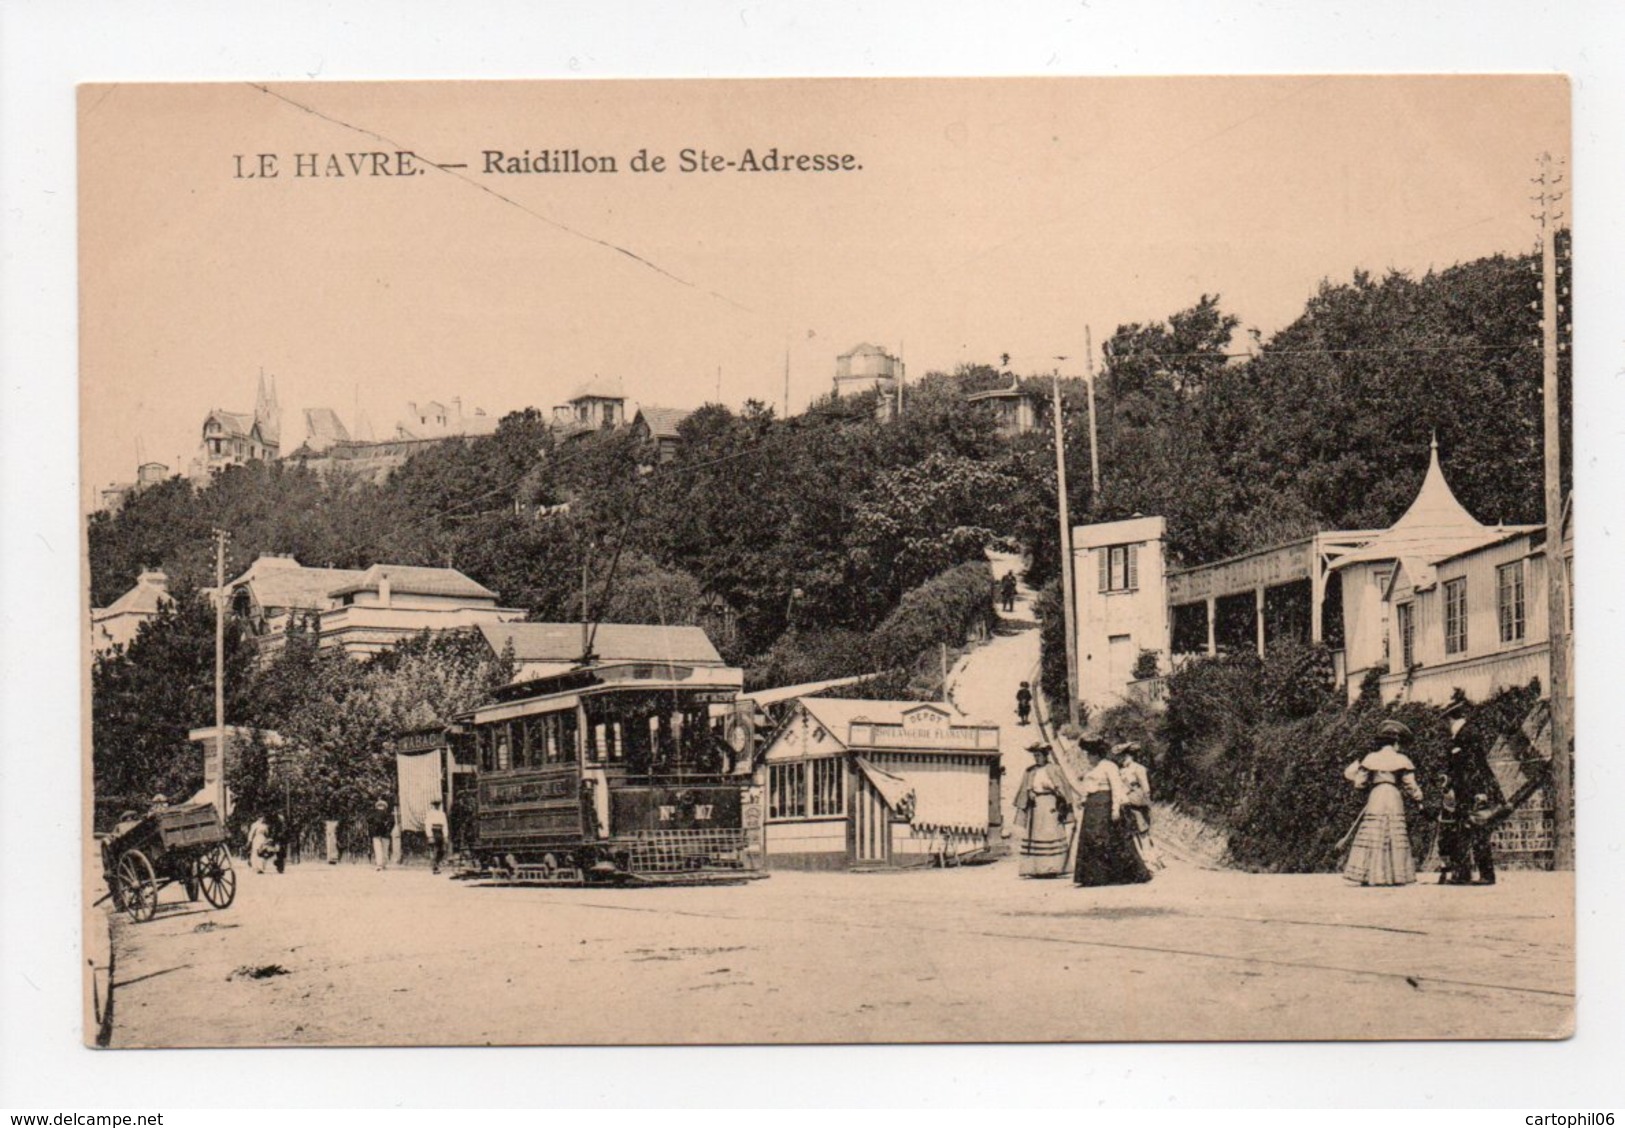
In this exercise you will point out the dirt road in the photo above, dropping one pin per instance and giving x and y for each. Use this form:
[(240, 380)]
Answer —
[(345, 955)]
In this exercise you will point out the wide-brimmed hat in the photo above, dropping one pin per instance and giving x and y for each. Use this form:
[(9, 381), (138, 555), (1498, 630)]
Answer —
[(1039, 748), (1395, 730), (1127, 748), (381, 805)]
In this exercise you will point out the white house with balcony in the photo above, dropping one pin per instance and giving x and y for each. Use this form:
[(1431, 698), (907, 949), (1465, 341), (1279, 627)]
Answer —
[(359, 612)]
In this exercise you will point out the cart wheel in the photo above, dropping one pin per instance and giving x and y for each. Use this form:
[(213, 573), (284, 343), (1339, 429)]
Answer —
[(215, 878), (138, 886)]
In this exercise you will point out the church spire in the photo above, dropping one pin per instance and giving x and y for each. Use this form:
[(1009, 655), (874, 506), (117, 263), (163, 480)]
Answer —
[(267, 413)]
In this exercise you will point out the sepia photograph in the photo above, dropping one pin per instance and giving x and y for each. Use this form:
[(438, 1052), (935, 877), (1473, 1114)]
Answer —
[(793, 561)]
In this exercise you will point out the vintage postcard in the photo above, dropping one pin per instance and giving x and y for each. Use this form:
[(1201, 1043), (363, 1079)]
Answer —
[(827, 561)]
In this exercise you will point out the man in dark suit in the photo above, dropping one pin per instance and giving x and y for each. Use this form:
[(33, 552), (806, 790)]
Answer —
[(1478, 796)]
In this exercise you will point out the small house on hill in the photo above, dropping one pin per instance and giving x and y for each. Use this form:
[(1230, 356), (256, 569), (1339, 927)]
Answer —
[(1015, 412), (117, 623), (871, 784), (659, 426)]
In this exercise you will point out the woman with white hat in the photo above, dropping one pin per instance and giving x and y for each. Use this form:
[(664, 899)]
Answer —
[(1044, 805)]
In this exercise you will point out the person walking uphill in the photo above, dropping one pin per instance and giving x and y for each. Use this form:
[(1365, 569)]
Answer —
[(1381, 849), (380, 824), (1044, 805), (1024, 702), (1007, 592)]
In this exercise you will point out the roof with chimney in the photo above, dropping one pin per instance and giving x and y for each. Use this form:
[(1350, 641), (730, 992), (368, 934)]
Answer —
[(407, 579), (865, 349), (599, 387), (282, 583), (150, 593), (233, 423)]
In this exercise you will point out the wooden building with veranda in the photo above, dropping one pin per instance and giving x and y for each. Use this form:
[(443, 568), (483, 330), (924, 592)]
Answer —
[(855, 784)]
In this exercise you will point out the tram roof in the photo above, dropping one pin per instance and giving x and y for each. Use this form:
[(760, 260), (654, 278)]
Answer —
[(542, 644)]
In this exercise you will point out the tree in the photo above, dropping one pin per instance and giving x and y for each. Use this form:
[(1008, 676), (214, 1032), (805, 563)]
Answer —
[(145, 699)]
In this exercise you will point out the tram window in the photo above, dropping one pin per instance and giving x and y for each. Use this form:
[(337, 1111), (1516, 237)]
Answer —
[(482, 741), (567, 736), (606, 743), (504, 751)]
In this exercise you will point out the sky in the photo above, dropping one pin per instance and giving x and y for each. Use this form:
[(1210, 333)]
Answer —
[(982, 217)]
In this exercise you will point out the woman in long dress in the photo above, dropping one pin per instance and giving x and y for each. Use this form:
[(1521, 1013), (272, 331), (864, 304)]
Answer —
[(1380, 853), (1044, 805), (1106, 854)]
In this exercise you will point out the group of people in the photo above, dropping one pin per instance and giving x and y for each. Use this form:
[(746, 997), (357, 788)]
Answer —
[(1105, 821), (267, 844), (381, 828), (1103, 824), (1468, 803)]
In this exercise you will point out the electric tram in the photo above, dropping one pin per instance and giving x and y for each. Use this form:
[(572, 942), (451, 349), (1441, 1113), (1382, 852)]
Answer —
[(623, 772)]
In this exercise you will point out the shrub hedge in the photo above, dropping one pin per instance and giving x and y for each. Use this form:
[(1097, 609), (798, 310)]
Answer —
[(1259, 748)]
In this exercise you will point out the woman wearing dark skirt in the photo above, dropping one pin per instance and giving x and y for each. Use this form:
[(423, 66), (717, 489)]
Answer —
[(1106, 853)]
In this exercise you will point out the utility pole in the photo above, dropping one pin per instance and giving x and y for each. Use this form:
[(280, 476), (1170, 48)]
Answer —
[(1067, 590), (1094, 435), (902, 378), (1549, 197), (220, 538)]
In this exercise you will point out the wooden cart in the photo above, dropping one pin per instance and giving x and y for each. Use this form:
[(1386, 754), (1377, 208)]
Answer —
[(183, 845)]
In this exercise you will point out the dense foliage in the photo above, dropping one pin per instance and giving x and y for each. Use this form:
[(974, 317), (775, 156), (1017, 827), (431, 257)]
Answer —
[(1259, 748), (147, 697), (835, 542)]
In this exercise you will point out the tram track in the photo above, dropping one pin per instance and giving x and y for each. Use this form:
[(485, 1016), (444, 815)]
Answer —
[(1411, 978)]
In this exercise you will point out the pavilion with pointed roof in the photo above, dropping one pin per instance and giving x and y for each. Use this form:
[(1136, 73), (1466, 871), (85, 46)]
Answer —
[(1405, 560)]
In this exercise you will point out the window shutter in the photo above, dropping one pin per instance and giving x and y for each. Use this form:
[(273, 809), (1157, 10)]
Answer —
[(1105, 565), (1132, 580)]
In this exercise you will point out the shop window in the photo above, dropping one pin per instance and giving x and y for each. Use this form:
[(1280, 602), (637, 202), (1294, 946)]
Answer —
[(787, 791), (828, 787)]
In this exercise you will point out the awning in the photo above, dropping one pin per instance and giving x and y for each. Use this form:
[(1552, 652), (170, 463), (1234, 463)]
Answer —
[(949, 798), (895, 791), (419, 781)]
